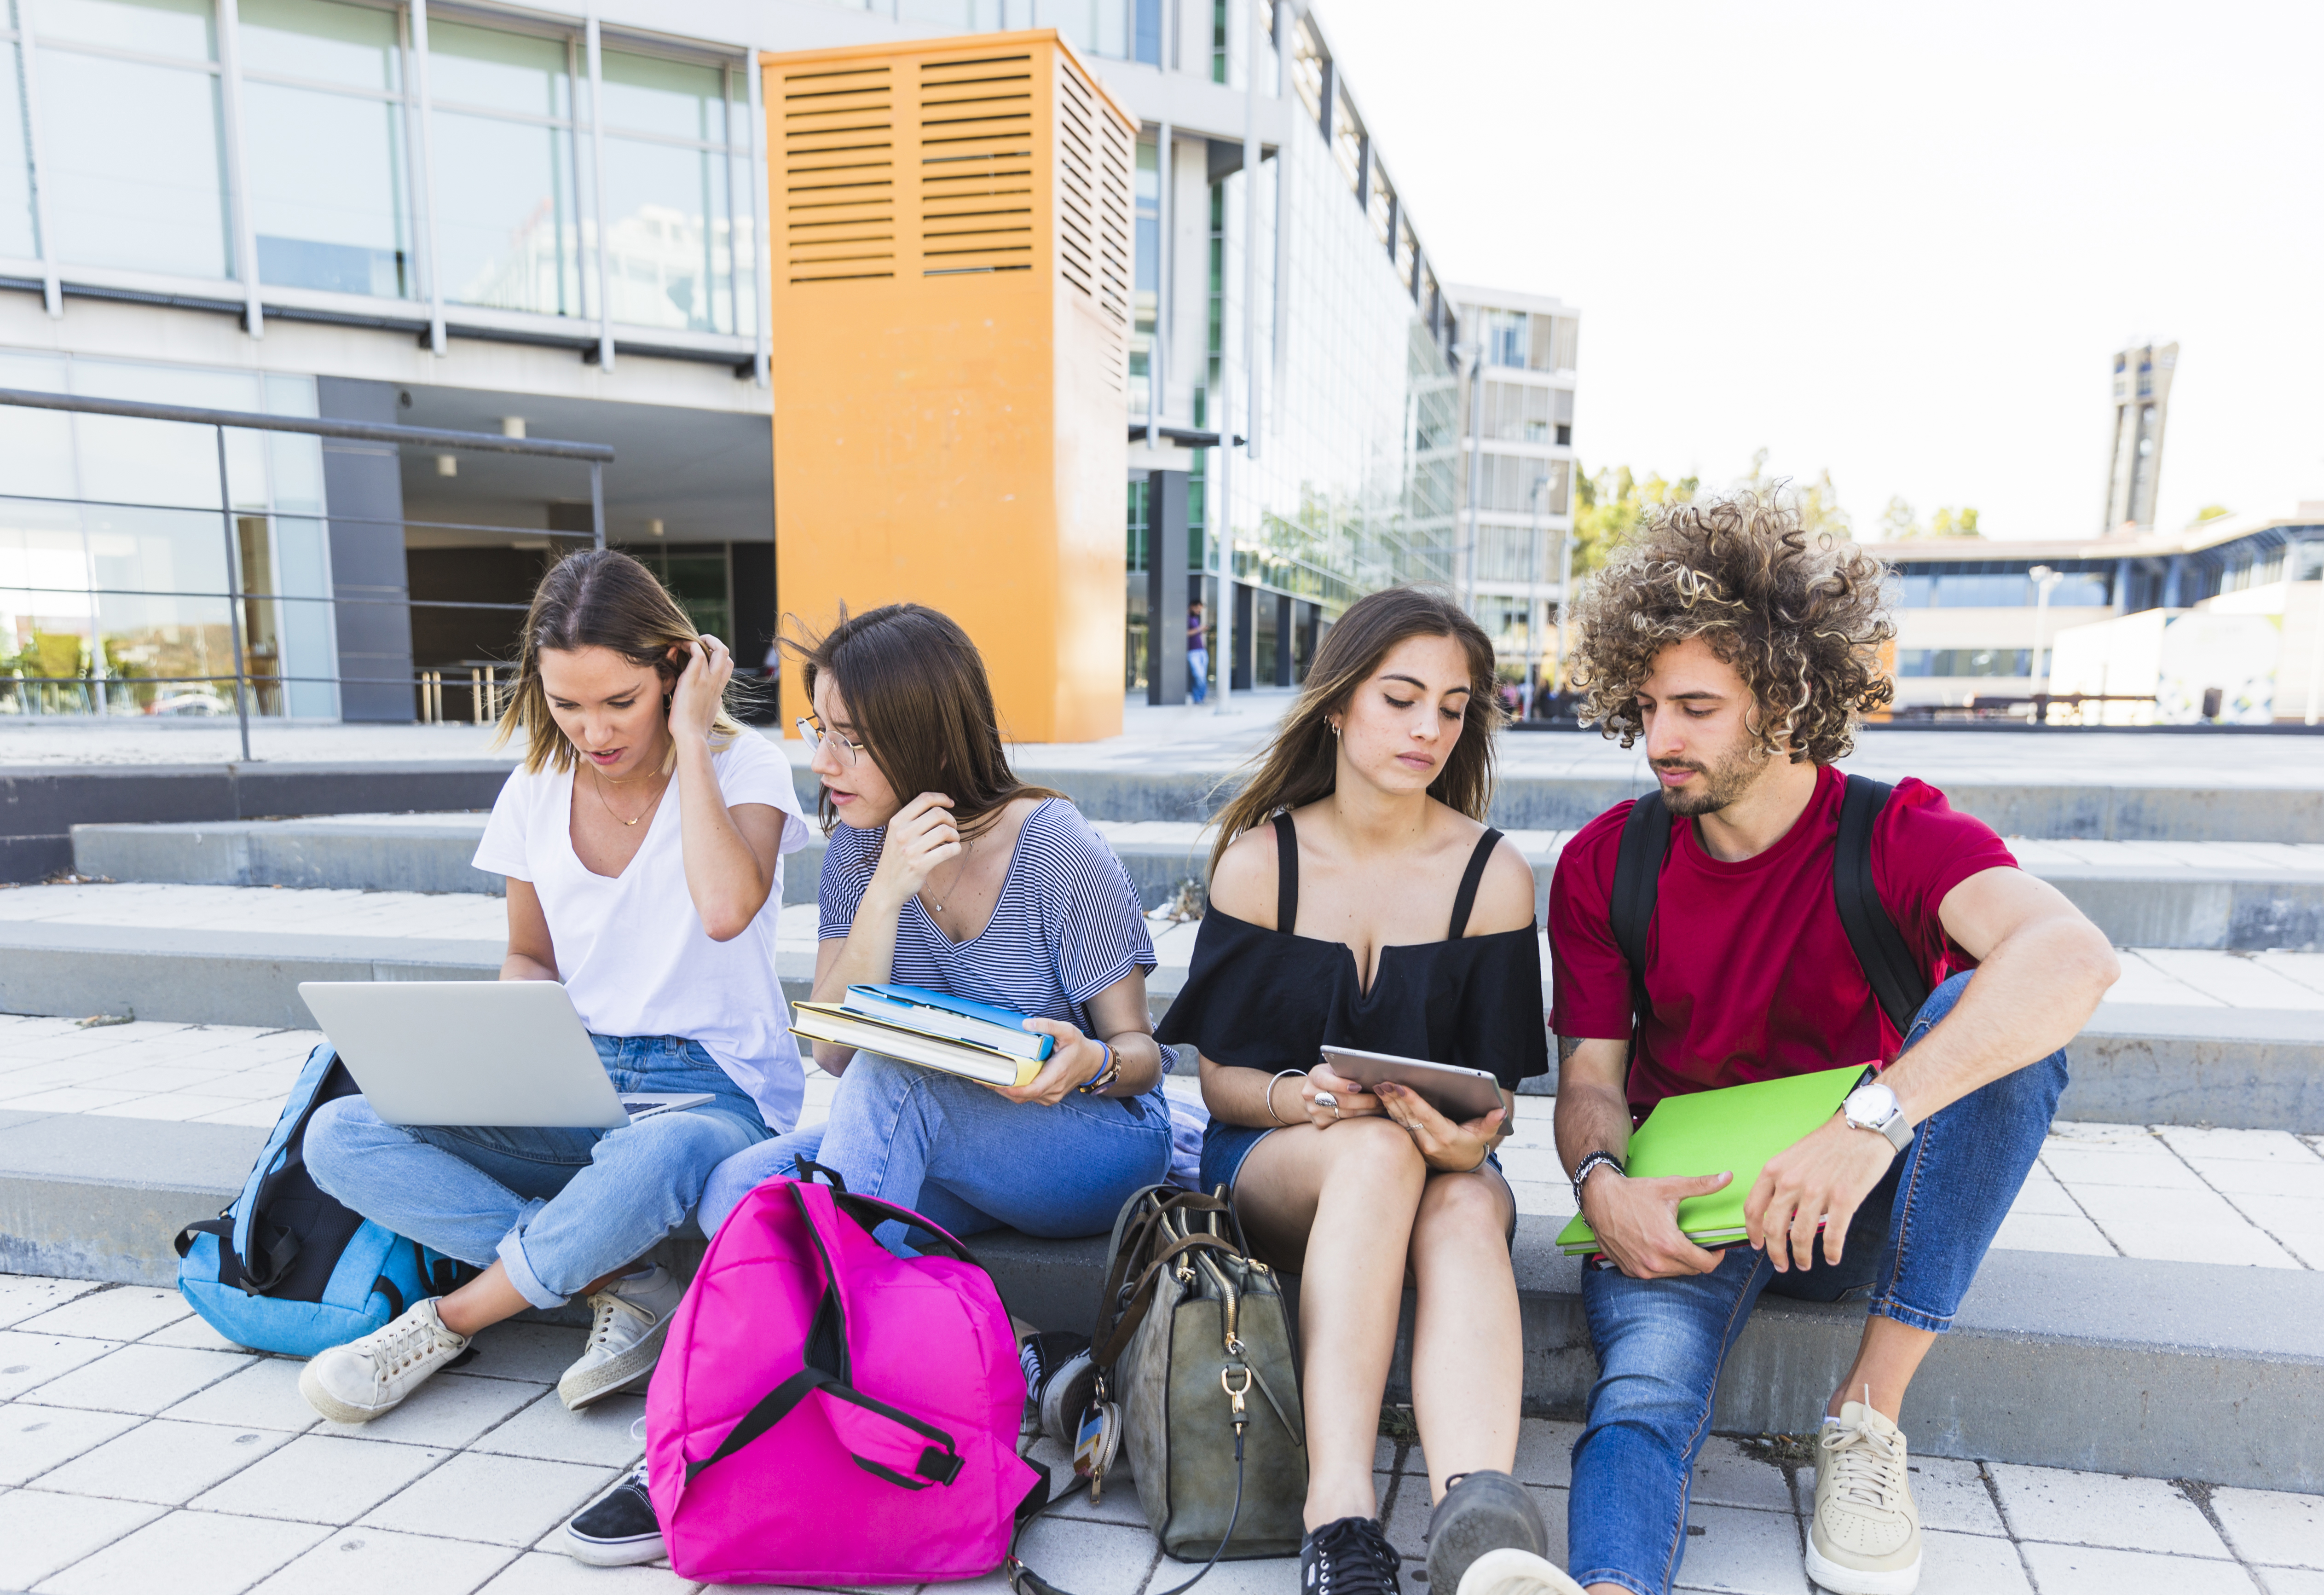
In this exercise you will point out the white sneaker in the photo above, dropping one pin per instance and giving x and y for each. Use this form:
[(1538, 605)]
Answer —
[(1515, 1573), (630, 1318), (1866, 1536), (356, 1382)]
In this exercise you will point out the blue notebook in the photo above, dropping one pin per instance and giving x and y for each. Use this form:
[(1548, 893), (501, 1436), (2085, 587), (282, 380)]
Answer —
[(950, 1017)]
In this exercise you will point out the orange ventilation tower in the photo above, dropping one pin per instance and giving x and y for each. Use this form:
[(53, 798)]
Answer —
[(950, 323)]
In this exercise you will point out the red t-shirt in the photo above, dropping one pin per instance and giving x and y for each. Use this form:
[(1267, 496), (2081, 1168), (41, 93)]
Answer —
[(1749, 975)]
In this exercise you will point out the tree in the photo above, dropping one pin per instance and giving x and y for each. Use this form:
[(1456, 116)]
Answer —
[(1896, 522), (1819, 511), (1611, 504), (2211, 513), (1951, 523)]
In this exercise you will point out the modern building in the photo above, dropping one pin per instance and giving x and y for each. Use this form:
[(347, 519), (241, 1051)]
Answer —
[(2001, 621), (2141, 404), (551, 221), (1517, 476)]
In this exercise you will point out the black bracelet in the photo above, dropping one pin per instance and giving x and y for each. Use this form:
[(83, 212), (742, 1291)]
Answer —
[(1588, 1167)]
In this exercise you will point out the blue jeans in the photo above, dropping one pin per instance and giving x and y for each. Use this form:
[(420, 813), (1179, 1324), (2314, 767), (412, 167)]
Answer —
[(964, 1157), (1661, 1343), (1198, 671), (558, 1208)]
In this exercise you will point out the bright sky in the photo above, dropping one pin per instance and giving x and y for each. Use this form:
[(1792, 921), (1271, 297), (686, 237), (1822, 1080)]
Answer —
[(1899, 241)]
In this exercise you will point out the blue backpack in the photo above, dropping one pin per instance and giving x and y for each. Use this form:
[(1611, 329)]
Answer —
[(287, 1269)]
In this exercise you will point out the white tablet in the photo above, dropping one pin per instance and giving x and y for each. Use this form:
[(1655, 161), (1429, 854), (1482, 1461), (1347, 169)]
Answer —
[(1459, 1094)]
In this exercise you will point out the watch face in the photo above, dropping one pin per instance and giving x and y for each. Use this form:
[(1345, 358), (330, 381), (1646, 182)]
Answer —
[(1870, 1104)]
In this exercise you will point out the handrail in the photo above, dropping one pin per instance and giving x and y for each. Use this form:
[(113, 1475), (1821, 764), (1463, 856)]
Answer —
[(365, 432)]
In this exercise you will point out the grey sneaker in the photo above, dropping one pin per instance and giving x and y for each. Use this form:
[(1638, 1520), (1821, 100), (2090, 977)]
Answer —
[(356, 1382), (1866, 1536), (628, 1321)]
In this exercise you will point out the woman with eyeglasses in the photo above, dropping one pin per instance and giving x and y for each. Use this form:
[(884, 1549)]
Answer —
[(947, 872)]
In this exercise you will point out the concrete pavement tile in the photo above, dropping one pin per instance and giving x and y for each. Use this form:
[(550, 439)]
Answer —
[(259, 1113), (1726, 1475), (1119, 1503), (187, 1553), (2147, 1166), (2290, 1580), (2202, 1145), (1970, 1564), (263, 1395), (123, 1312), (2299, 1182), (2081, 1570), (321, 1478), (2044, 1231), (550, 1573), (1268, 1576), (597, 1435), (28, 1296), (445, 1412), (40, 1533), (1088, 1558), (34, 1439), (67, 1099), (175, 1107), (1404, 1508), (2273, 1526), (161, 1461), (1743, 1553), (2297, 1225), (28, 1361), (374, 1562), (2197, 1226), (536, 1352), (194, 1331), (2066, 1507), (501, 1500), (1544, 1451), (142, 1379)]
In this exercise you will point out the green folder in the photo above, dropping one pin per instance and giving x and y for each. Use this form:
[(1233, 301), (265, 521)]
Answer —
[(1735, 1129)]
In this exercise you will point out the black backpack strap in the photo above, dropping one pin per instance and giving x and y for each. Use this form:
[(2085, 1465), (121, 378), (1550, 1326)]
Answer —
[(1467, 897), (1894, 975), (1638, 877), (1286, 875)]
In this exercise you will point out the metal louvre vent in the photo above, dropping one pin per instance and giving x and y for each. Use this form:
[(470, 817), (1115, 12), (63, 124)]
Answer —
[(1115, 273), (976, 165), (839, 173), (1078, 223)]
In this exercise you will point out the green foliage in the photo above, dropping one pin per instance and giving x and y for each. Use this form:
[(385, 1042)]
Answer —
[(1609, 506), (2211, 513), (1951, 523), (1898, 523)]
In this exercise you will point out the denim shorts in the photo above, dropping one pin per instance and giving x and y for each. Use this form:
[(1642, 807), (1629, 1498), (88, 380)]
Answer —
[(1225, 1145)]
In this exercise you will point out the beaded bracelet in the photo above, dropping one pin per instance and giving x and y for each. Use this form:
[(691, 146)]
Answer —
[(1110, 1072)]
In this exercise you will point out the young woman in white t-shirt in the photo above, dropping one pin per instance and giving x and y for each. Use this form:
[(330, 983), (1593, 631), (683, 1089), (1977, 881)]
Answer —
[(643, 841)]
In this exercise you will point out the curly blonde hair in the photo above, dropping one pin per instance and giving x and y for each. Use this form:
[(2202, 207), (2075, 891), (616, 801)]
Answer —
[(1801, 620)]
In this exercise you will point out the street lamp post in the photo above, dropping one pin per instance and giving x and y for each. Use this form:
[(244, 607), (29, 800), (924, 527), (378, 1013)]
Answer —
[(2044, 579), (1534, 613)]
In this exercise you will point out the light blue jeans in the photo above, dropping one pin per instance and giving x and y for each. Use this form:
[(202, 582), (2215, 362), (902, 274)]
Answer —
[(964, 1157), (1911, 1254), (557, 1208)]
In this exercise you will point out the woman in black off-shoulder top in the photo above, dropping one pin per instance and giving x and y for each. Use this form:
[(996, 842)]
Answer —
[(1356, 899)]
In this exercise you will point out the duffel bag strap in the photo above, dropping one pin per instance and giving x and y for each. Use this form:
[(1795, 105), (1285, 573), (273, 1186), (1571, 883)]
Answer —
[(221, 1226)]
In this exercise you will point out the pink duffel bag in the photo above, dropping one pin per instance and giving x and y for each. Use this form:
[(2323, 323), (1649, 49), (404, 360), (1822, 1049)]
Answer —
[(827, 1412)]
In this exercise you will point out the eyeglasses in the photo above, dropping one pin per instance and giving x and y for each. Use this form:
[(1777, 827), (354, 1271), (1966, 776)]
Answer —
[(815, 736)]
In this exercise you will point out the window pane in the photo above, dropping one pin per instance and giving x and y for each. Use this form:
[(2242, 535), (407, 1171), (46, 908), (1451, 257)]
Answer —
[(645, 94), (134, 154), (326, 190), (16, 234), (665, 244), (504, 228), (350, 44), (150, 27), (505, 71)]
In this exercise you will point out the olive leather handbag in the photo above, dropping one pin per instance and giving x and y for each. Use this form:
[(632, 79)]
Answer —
[(1194, 1341)]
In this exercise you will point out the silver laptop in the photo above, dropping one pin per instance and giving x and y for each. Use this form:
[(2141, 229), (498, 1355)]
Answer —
[(504, 1053)]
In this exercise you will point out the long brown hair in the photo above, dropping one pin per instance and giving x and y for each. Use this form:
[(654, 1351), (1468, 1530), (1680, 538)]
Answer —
[(920, 702), (1302, 764), (598, 598)]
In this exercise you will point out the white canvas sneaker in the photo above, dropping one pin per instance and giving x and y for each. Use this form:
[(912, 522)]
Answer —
[(1866, 1537), (628, 1321), (356, 1382)]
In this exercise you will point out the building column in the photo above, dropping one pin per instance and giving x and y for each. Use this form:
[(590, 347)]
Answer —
[(2170, 576), (1245, 612), (362, 495), (1165, 587), (1283, 639)]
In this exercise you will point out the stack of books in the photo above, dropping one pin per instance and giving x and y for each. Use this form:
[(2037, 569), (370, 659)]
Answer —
[(933, 1029), (1737, 1128)]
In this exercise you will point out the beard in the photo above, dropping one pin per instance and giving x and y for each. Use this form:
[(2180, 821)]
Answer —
[(1722, 784)]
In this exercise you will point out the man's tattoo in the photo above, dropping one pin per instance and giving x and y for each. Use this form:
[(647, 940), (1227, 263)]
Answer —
[(1567, 1045)]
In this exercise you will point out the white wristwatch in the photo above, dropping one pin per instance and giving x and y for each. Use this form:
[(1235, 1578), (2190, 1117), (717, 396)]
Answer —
[(1873, 1106)]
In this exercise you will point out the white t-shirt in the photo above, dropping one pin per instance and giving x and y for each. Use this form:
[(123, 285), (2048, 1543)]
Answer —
[(632, 950)]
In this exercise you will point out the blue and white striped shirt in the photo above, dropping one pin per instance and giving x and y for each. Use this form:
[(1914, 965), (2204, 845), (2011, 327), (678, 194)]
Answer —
[(1067, 924)]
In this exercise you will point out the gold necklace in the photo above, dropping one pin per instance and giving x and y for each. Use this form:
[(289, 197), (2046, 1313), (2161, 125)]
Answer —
[(601, 783), (967, 848)]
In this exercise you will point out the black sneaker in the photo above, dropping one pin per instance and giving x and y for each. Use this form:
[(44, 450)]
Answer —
[(1348, 1556), (619, 1527), (1486, 1510), (1059, 1380)]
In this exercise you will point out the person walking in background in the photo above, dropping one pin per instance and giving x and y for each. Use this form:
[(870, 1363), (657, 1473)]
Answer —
[(1743, 653), (657, 909), (1358, 900), (1198, 656)]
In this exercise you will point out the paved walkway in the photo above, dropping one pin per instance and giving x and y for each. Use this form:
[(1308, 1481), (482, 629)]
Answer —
[(140, 1452)]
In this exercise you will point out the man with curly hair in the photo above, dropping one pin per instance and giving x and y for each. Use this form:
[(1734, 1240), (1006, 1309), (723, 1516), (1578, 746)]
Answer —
[(1743, 653)]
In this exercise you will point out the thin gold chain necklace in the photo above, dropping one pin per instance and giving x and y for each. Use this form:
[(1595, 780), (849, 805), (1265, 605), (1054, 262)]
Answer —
[(600, 783), (957, 875)]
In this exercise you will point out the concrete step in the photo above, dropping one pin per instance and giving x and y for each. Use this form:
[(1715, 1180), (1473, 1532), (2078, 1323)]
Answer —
[(2224, 895), (2165, 1369)]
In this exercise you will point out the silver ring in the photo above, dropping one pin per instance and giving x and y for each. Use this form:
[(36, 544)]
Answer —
[(1324, 1099)]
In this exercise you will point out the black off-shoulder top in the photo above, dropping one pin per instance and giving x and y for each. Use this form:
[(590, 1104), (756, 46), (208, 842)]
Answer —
[(1259, 998)]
